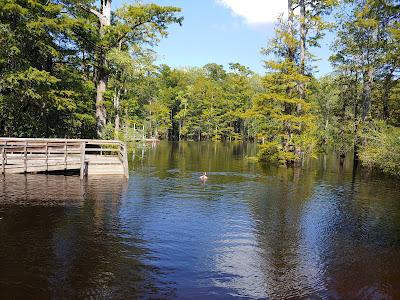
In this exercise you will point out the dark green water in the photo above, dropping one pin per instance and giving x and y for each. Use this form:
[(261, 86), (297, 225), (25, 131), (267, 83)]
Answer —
[(320, 232)]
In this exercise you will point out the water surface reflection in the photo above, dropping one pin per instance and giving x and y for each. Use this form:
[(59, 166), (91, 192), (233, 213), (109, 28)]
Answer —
[(63, 238), (250, 231)]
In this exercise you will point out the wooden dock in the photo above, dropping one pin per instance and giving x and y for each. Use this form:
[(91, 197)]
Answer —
[(27, 155)]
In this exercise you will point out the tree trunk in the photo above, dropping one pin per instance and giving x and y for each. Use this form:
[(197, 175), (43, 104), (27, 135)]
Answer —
[(302, 50), (289, 90), (106, 12), (302, 36), (101, 114), (117, 112), (180, 129), (117, 123), (367, 89), (291, 52), (355, 120), (102, 76), (385, 98), (342, 151)]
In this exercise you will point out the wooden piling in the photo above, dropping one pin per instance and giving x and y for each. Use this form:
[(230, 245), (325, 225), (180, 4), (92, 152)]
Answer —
[(47, 156), (66, 155), (26, 156), (82, 172), (3, 160), (125, 161)]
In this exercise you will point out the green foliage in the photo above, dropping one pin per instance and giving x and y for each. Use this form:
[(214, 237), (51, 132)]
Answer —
[(201, 103), (366, 62), (271, 152), (41, 90), (141, 23), (52, 56), (333, 101), (288, 123), (382, 149)]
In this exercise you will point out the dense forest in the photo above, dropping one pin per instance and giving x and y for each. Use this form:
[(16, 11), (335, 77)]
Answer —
[(78, 69)]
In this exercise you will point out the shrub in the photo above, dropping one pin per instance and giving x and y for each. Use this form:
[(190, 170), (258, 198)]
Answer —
[(271, 152), (382, 149)]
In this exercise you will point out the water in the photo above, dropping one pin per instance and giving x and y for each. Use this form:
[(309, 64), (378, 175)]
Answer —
[(250, 231)]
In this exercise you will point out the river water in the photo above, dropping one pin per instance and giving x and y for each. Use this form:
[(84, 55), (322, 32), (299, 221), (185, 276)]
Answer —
[(250, 231)]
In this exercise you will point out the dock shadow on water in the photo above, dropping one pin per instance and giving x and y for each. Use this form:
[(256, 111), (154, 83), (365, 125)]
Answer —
[(249, 231)]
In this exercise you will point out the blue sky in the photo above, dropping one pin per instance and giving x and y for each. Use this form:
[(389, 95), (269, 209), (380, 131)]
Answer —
[(224, 31)]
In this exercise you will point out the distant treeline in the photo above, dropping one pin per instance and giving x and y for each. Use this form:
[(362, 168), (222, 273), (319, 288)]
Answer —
[(71, 69)]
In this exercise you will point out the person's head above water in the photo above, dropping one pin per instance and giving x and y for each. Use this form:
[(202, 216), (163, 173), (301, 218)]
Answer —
[(204, 176)]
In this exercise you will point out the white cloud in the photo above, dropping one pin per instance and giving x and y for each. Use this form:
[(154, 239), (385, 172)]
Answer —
[(256, 11)]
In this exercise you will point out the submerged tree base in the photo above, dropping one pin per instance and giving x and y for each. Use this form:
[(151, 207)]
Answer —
[(272, 152)]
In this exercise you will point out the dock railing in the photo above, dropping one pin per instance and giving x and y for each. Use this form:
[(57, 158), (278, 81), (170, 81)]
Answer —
[(24, 155)]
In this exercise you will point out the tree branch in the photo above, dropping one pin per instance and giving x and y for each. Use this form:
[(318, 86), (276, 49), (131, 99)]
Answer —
[(92, 11)]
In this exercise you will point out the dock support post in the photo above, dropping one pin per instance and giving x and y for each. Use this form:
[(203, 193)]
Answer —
[(126, 166), (26, 157), (5, 155), (66, 154), (83, 150), (3, 160), (47, 156)]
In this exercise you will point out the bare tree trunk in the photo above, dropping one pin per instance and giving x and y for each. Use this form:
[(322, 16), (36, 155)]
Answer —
[(302, 50), (117, 123), (302, 36), (289, 90), (355, 120), (180, 129), (291, 52), (385, 98), (102, 76), (342, 150), (117, 111), (367, 90), (106, 11), (101, 114)]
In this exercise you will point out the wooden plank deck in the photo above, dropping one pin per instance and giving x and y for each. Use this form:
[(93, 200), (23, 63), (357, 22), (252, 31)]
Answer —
[(20, 155)]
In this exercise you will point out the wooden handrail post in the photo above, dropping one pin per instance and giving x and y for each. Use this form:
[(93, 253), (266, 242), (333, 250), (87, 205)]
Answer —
[(26, 156), (83, 150), (126, 165), (66, 154), (3, 160), (5, 146), (47, 156)]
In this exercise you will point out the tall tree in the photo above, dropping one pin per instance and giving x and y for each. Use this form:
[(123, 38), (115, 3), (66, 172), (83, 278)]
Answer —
[(126, 70), (101, 76), (312, 27), (286, 130), (285, 106), (40, 85), (130, 25), (365, 46)]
